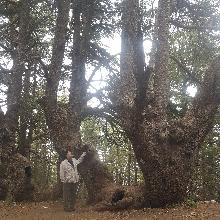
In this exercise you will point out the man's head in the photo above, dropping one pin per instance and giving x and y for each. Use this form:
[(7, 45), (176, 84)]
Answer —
[(68, 154)]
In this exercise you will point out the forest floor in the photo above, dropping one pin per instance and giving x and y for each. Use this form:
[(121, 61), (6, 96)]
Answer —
[(54, 211)]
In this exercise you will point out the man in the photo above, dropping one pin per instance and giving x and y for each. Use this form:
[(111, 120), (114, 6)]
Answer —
[(69, 177)]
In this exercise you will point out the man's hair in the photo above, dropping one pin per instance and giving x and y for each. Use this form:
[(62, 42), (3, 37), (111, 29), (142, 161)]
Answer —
[(64, 153)]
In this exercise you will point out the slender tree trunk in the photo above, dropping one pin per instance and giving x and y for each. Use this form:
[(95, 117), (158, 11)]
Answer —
[(129, 166), (135, 173)]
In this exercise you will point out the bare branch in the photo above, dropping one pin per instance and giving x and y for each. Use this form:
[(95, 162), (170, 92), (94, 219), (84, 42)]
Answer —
[(44, 66), (189, 73), (102, 63), (98, 112)]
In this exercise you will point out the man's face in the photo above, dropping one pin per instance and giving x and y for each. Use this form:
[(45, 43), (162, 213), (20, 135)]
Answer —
[(69, 155)]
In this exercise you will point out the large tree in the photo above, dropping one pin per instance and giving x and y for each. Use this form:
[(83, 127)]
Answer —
[(166, 148)]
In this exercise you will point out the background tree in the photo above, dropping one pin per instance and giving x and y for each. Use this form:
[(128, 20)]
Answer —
[(16, 44)]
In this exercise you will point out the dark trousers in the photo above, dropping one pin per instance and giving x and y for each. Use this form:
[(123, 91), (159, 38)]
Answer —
[(69, 196)]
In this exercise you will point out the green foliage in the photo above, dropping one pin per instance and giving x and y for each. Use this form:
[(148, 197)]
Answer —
[(113, 148), (194, 42), (191, 203), (44, 165), (206, 181)]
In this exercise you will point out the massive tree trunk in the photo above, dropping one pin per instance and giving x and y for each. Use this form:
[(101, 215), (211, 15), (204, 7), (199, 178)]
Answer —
[(165, 149)]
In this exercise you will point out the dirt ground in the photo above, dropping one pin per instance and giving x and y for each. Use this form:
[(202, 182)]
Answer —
[(54, 211)]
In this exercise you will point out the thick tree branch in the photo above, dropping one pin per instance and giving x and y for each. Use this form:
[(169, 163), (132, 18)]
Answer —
[(161, 83), (54, 72), (83, 17), (132, 87), (55, 115)]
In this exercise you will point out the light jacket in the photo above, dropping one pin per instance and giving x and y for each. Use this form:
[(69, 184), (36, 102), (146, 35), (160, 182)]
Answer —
[(68, 173)]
